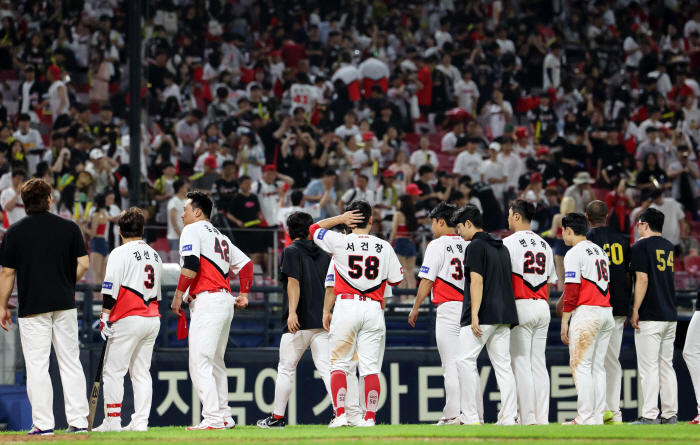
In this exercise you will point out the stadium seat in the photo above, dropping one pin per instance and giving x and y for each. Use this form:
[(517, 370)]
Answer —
[(692, 264)]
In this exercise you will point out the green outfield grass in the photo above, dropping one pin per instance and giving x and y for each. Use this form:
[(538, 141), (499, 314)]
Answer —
[(403, 434)]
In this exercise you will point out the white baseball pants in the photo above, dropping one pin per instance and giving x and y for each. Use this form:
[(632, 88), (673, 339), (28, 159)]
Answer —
[(613, 370), (496, 338), (447, 329), (355, 406), (130, 349), (528, 342), (292, 347), (208, 336), (357, 325), (654, 343), (691, 354), (38, 333), (589, 335)]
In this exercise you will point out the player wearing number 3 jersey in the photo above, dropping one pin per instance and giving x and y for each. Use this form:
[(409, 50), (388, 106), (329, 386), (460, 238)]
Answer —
[(206, 258), (364, 266), (130, 322), (587, 305), (532, 263)]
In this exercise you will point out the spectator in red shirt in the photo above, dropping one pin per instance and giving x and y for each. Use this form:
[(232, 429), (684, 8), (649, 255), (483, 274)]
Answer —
[(292, 52), (425, 92)]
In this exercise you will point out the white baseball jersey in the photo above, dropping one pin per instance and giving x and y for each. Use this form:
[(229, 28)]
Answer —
[(133, 280), (217, 255), (330, 280), (364, 264), (587, 264), (532, 262), (442, 264), (304, 96)]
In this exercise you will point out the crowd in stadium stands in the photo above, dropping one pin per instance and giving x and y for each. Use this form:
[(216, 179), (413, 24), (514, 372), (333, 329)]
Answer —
[(274, 106)]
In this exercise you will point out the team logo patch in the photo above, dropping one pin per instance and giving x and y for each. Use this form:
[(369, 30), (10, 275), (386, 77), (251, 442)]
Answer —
[(570, 275), (107, 285), (187, 248), (322, 233), (330, 277), (424, 269)]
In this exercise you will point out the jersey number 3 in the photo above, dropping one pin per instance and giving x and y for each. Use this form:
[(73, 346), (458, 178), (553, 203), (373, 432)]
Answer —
[(150, 277)]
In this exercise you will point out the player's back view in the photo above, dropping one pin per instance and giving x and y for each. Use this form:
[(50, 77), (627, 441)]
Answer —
[(364, 265), (130, 322)]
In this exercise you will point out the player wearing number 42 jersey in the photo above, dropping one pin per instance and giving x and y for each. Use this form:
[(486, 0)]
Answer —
[(587, 305), (532, 263), (206, 258), (364, 266), (130, 322), (442, 277)]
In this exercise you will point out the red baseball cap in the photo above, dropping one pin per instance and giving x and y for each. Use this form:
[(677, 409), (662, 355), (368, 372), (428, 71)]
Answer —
[(368, 136), (274, 52), (535, 177), (521, 132), (181, 325), (389, 174), (269, 168), (543, 151), (413, 190), (211, 162), (55, 72)]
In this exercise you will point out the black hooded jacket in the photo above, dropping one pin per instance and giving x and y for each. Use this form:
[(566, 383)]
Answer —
[(487, 256)]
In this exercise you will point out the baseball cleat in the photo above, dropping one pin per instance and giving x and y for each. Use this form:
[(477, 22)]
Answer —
[(109, 425), (645, 421), (132, 427), (271, 423), (341, 420), (670, 421), (74, 430), (572, 422), (229, 424), (364, 423), (443, 421), (37, 432), (203, 426), (695, 421)]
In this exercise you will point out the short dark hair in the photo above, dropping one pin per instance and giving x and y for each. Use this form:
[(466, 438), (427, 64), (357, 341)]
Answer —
[(201, 201), (597, 211), (41, 169), (364, 208), (197, 113), (653, 217), (577, 222), (296, 197), (365, 177), (524, 208), (24, 117), (244, 178), (34, 195), (330, 172), (131, 222), (298, 224), (468, 213), (443, 211), (177, 185), (426, 168), (18, 172)]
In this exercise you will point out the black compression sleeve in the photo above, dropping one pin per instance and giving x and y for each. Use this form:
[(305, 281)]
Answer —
[(191, 262), (108, 302)]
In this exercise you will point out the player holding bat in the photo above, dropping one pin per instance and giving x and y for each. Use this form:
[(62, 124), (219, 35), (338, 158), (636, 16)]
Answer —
[(129, 322)]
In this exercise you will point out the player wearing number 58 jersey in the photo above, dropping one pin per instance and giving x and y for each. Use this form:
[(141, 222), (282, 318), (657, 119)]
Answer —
[(364, 266), (442, 277), (206, 258), (532, 263), (130, 322), (587, 305)]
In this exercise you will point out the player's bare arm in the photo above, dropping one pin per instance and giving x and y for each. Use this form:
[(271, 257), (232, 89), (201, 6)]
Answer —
[(640, 291), (350, 219), (476, 288), (560, 307), (327, 306), (83, 266), (423, 291), (7, 283), (293, 291), (186, 276)]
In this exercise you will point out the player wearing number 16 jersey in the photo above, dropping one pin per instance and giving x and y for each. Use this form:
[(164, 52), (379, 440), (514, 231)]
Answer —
[(130, 322), (206, 258), (587, 305), (364, 266), (532, 263)]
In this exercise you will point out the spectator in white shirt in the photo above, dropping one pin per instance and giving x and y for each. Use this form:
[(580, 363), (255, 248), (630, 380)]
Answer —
[(498, 113), (251, 156), (692, 25), (449, 141), (467, 93), (359, 193), (514, 164), (449, 70), (268, 190), (494, 172), (11, 200), (654, 120), (32, 143), (633, 53), (175, 207), (366, 160), (188, 131), (386, 195), (552, 68), (443, 35), (469, 162), (348, 128), (424, 155), (507, 45)]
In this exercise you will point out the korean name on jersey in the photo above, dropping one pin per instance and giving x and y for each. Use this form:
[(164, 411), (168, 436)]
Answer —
[(532, 263), (443, 266)]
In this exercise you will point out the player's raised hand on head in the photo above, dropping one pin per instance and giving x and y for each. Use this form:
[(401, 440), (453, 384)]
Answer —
[(352, 218), (5, 319), (241, 301), (412, 317), (327, 317), (293, 323)]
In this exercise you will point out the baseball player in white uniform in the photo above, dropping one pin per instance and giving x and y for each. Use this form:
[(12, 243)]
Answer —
[(691, 355), (364, 266), (587, 305), (442, 277), (206, 258), (130, 322), (532, 263)]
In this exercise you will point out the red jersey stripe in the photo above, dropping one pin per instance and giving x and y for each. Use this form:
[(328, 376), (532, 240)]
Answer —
[(443, 292), (209, 277), (341, 286), (591, 295), (130, 303), (524, 291)]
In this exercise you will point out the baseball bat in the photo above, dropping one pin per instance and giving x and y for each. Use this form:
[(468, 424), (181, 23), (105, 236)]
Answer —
[(95, 393)]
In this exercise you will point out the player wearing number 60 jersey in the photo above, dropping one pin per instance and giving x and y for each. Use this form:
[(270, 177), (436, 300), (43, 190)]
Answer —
[(206, 258), (364, 266), (587, 305), (442, 277), (532, 263), (130, 318)]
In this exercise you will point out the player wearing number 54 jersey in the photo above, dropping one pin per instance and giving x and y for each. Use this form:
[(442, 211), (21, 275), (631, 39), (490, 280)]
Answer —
[(587, 305), (206, 258), (130, 322), (364, 266), (532, 263)]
